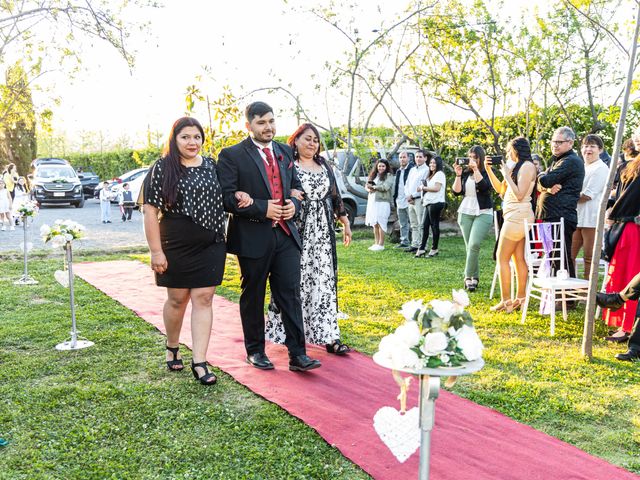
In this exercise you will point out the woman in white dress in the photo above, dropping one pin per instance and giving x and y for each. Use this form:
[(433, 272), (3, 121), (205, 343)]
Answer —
[(321, 206), (380, 188), (5, 206)]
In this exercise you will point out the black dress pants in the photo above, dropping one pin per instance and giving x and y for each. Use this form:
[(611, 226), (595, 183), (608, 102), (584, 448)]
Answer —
[(431, 221), (281, 266)]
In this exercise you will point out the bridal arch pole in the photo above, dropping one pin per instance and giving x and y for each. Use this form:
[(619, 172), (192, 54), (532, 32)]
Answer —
[(589, 316)]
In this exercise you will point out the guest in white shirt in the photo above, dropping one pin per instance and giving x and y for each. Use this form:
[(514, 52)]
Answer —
[(413, 193), (596, 174), (402, 206), (433, 200)]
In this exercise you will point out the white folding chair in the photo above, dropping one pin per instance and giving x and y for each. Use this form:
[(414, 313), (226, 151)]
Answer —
[(551, 288), (496, 271)]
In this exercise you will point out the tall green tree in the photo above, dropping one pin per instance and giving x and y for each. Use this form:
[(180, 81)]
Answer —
[(18, 132)]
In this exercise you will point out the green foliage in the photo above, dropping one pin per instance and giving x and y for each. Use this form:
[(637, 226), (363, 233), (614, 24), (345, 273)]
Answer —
[(108, 165)]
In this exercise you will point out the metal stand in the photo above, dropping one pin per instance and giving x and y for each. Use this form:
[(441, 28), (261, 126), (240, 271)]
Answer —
[(25, 279), (74, 343), (429, 391)]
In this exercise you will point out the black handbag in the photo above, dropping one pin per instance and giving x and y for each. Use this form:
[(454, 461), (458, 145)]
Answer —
[(611, 238)]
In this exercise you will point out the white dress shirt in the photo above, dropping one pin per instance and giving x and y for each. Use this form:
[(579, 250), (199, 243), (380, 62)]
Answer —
[(416, 176)]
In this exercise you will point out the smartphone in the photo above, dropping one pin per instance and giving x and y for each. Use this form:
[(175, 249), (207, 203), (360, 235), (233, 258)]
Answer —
[(462, 161), (496, 160)]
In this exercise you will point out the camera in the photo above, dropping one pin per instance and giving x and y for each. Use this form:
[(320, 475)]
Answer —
[(495, 160), (462, 161)]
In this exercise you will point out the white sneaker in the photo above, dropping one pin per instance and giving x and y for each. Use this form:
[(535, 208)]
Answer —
[(373, 247), (4, 228), (12, 227), (377, 248)]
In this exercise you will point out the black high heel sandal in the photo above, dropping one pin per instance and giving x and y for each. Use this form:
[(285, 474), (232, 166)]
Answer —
[(205, 379), (337, 348), (176, 362)]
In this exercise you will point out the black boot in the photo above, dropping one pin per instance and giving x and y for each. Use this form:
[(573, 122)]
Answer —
[(630, 355)]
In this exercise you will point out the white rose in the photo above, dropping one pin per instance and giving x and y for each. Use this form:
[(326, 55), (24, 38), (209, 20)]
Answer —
[(68, 237), (460, 297), (469, 343), (405, 358), (444, 358), (443, 308), (45, 230), (389, 344), (409, 309), (434, 344), (409, 333)]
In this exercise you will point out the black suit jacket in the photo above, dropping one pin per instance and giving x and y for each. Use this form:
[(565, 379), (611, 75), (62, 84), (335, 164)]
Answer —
[(241, 168)]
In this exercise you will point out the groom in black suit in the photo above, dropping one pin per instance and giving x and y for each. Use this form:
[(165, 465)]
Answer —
[(257, 176)]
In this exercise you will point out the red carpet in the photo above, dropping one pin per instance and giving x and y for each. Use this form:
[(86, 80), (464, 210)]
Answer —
[(340, 399)]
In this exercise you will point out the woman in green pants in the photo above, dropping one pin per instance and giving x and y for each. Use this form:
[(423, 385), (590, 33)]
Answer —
[(475, 214)]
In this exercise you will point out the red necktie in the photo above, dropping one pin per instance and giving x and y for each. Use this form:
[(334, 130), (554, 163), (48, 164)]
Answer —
[(275, 182)]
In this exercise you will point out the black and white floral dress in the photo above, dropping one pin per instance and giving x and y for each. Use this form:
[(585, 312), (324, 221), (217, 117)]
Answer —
[(317, 263)]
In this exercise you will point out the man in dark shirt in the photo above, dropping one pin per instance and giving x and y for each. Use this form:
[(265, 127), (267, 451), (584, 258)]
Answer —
[(560, 187)]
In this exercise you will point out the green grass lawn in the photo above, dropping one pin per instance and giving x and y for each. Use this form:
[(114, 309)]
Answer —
[(112, 411)]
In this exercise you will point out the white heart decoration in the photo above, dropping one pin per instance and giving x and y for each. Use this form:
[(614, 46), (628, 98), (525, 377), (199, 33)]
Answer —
[(62, 278), (399, 432)]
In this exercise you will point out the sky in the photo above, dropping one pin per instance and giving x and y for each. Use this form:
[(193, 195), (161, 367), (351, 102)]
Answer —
[(245, 44)]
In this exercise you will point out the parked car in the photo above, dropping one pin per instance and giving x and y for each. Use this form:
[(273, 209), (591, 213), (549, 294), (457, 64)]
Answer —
[(354, 195), (134, 178), (48, 160), (57, 183), (89, 180)]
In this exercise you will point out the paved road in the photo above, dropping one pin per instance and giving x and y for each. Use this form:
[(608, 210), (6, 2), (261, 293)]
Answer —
[(98, 235)]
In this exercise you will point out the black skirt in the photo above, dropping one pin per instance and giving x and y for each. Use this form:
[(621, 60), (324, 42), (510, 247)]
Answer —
[(195, 256)]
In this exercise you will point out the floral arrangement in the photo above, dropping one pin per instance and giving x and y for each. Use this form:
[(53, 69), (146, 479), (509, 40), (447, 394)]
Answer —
[(28, 209), (439, 334), (61, 232)]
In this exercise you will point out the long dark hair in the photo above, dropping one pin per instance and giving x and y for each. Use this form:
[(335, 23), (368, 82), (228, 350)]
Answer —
[(297, 134), (173, 168), (439, 166), (479, 152), (374, 171), (522, 149)]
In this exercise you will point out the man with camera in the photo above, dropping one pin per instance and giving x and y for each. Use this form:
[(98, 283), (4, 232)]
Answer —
[(413, 193), (560, 186)]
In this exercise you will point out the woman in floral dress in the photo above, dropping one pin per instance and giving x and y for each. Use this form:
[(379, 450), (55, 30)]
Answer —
[(321, 204)]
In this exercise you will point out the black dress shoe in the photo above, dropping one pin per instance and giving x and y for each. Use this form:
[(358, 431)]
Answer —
[(302, 363), (260, 360), (617, 339), (612, 301), (411, 249), (630, 355)]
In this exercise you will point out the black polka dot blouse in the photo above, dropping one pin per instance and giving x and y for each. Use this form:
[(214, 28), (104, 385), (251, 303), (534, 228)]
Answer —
[(199, 194)]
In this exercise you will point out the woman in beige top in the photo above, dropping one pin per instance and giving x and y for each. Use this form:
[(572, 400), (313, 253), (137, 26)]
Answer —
[(519, 179)]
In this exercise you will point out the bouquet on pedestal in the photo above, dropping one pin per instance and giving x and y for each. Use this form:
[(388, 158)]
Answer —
[(61, 232), (439, 334), (28, 209)]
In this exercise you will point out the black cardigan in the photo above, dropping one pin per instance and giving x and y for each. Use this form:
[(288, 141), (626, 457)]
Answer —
[(483, 189), (627, 204)]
